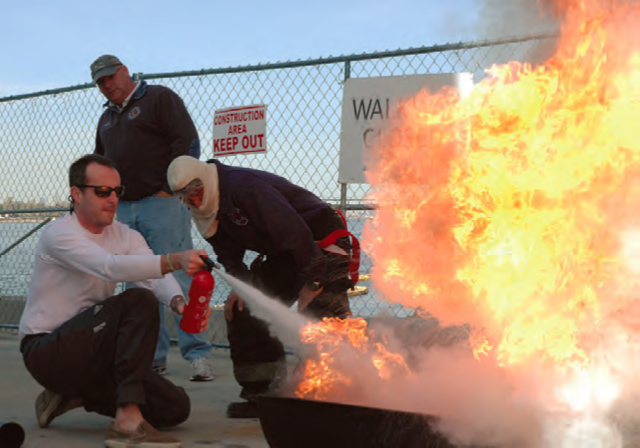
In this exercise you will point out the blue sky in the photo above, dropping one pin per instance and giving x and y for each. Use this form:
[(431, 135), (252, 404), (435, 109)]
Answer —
[(48, 44)]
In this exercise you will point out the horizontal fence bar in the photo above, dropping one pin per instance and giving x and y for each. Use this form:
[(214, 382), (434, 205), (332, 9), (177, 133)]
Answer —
[(309, 62), (351, 58), (34, 210), (360, 207), (353, 207)]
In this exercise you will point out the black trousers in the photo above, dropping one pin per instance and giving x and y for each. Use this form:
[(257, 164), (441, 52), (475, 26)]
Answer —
[(259, 358), (104, 355)]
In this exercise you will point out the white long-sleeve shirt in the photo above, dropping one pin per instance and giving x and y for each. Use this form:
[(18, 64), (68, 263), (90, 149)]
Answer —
[(75, 269)]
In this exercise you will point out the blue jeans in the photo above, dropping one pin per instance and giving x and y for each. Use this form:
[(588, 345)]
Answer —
[(166, 225)]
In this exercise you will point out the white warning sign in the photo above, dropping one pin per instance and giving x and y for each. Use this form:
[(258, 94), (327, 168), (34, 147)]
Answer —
[(240, 130)]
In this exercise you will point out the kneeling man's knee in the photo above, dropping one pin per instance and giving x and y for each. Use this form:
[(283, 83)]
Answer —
[(183, 407), (179, 411)]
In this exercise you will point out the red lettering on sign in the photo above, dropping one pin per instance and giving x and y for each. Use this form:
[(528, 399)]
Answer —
[(252, 141), (225, 144), (237, 129)]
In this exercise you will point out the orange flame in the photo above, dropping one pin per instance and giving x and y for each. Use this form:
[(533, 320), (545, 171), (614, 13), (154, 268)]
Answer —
[(323, 376), (504, 209)]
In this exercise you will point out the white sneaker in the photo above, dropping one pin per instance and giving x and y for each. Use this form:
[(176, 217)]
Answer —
[(201, 370)]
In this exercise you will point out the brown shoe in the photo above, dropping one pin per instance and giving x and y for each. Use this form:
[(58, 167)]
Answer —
[(50, 405), (145, 436)]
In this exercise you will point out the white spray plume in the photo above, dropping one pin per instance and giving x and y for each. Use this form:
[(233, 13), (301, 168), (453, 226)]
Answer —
[(284, 323)]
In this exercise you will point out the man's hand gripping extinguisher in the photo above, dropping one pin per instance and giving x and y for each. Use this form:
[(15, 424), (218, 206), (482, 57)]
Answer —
[(200, 292)]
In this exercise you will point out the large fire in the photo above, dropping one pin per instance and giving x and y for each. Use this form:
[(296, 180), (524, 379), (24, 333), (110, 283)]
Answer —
[(516, 209), (505, 209)]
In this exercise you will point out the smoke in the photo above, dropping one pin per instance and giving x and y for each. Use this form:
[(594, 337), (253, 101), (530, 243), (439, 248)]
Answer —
[(476, 404), (500, 18)]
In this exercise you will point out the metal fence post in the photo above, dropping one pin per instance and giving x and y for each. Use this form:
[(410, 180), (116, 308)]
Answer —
[(343, 186)]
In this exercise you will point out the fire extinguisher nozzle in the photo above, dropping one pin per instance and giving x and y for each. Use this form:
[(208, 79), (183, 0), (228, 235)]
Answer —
[(208, 263)]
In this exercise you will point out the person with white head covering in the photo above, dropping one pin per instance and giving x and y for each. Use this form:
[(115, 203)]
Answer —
[(305, 255)]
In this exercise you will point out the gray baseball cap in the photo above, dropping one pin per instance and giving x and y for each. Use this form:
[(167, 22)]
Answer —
[(105, 65)]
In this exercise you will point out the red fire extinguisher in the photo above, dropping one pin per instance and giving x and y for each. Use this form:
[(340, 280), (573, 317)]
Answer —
[(200, 292)]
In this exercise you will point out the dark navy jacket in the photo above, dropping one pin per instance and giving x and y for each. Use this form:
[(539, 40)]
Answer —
[(143, 139), (266, 213)]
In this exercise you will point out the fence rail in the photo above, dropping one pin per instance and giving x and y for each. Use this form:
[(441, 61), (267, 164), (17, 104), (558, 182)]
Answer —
[(41, 133)]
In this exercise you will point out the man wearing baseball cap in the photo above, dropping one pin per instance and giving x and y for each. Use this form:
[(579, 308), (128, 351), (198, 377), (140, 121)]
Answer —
[(143, 128)]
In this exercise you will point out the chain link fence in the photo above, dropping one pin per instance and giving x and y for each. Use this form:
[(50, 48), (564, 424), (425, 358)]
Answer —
[(42, 133)]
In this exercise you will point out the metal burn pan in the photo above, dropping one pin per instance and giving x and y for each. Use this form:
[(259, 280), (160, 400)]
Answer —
[(298, 423)]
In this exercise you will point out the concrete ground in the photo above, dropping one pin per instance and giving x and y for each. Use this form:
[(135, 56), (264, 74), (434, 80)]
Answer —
[(207, 427)]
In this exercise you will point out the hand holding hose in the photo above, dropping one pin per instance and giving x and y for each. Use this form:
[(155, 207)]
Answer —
[(189, 261), (232, 299)]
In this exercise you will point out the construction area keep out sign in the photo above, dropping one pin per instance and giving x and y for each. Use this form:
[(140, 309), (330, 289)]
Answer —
[(240, 130)]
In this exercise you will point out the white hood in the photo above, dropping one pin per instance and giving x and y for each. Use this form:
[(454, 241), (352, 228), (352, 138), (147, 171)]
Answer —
[(183, 170)]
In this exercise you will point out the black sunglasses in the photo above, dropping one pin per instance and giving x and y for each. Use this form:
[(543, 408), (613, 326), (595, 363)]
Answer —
[(104, 192)]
